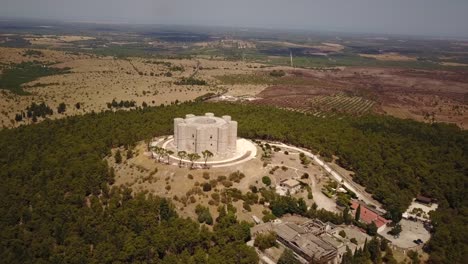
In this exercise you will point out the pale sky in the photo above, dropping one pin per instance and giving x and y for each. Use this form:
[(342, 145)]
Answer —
[(413, 17)]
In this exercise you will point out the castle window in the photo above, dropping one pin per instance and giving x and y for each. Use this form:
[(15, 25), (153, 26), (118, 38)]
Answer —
[(193, 135), (211, 137)]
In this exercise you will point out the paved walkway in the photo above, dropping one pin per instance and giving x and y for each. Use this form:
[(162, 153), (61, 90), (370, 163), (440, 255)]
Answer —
[(246, 150)]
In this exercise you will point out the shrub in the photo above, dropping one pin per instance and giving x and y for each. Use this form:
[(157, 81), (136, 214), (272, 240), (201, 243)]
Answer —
[(246, 206), (215, 196), (190, 81), (227, 183), (277, 73), (221, 178), (267, 216), (118, 157), (192, 199), (266, 180), (206, 187), (342, 233), (253, 188)]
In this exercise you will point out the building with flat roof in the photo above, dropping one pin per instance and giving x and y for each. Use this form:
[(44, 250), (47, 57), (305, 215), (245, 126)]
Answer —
[(290, 186), (304, 240), (312, 240)]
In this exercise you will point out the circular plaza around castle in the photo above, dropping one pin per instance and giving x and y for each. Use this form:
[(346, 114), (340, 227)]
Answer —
[(205, 134)]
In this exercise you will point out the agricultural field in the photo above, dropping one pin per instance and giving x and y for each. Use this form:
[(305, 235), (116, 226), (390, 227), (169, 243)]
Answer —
[(423, 80), (339, 104), (87, 83)]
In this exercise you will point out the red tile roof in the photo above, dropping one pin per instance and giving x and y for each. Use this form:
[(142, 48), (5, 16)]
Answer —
[(367, 215)]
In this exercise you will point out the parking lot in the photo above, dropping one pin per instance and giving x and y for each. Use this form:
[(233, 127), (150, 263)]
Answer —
[(410, 231)]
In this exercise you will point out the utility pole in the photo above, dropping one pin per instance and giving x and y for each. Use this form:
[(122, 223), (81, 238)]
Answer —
[(291, 57)]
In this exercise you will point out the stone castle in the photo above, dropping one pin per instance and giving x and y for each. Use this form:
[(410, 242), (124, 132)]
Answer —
[(195, 134)]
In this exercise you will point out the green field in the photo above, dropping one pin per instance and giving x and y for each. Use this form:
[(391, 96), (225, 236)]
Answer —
[(14, 76)]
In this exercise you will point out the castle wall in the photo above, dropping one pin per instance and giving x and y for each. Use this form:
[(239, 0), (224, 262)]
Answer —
[(232, 136), (199, 133), (223, 139), (177, 121)]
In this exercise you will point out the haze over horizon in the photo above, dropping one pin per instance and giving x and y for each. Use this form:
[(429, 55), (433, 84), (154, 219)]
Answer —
[(436, 18)]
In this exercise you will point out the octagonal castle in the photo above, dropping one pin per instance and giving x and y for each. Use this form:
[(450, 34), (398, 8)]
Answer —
[(195, 134)]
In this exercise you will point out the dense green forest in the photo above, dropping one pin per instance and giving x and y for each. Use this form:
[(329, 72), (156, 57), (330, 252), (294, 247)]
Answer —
[(57, 205)]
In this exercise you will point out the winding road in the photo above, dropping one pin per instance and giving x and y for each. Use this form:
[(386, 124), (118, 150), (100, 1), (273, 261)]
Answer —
[(367, 198)]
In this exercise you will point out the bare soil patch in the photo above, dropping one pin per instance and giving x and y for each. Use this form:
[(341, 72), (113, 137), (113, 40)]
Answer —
[(423, 95), (391, 56)]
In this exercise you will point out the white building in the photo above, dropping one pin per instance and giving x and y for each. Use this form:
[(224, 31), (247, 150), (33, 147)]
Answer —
[(200, 133), (290, 186)]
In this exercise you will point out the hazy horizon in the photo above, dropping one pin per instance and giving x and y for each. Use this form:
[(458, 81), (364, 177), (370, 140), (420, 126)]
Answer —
[(435, 18)]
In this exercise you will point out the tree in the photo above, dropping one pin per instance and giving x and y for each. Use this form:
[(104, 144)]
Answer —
[(383, 244), (206, 187), (61, 108), (372, 229), (265, 240), (347, 257), (168, 155), (118, 157), (18, 117), (288, 258), (389, 258), (181, 154), (129, 154), (161, 152), (154, 149), (206, 155), (396, 230), (358, 213), (347, 218), (193, 157), (374, 250), (414, 256), (204, 215), (78, 106), (266, 180)]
